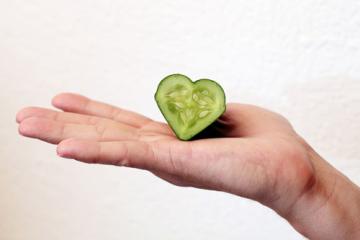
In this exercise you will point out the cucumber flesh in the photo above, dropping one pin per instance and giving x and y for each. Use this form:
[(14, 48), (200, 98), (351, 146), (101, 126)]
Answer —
[(189, 107)]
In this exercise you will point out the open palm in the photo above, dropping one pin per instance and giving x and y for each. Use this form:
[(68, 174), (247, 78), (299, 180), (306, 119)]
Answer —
[(249, 151)]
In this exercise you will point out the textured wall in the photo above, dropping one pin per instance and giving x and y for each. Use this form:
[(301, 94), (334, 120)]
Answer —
[(300, 58)]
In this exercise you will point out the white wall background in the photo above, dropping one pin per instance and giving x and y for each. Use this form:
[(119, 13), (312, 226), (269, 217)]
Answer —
[(300, 58)]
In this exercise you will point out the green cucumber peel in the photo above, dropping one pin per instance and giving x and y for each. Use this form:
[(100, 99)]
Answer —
[(189, 107)]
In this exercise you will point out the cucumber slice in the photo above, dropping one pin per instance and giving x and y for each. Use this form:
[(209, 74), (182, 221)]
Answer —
[(189, 107)]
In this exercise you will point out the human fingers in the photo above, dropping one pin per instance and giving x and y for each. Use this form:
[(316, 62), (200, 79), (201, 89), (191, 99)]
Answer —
[(53, 131), (136, 154), (71, 102), (66, 117)]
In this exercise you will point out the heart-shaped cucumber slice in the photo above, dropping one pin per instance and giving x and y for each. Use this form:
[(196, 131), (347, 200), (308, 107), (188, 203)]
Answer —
[(189, 107)]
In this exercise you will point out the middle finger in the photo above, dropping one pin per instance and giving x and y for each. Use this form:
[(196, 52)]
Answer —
[(66, 117)]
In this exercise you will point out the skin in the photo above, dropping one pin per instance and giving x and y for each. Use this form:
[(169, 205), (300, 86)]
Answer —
[(250, 152)]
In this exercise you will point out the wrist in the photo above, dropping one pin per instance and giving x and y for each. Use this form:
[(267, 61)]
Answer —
[(330, 209)]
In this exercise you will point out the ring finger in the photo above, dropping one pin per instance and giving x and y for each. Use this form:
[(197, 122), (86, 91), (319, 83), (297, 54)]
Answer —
[(54, 131)]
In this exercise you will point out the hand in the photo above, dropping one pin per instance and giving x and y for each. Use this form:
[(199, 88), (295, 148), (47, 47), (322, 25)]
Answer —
[(249, 151), (255, 153)]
